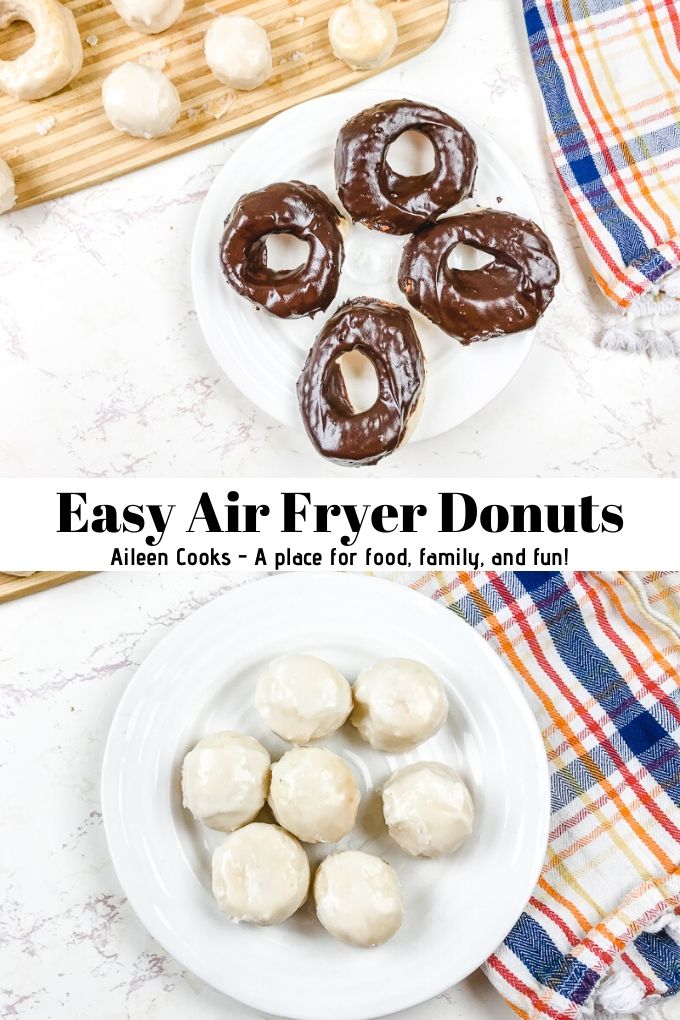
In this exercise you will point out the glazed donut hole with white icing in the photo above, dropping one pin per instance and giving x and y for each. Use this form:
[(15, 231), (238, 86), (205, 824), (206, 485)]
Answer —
[(428, 809), (398, 704), (225, 780), (302, 698), (362, 34), (358, 898), (149, 16), (314, 795), (260, 874), (140, 101), (238, 52), (8, 191), (55, 57)]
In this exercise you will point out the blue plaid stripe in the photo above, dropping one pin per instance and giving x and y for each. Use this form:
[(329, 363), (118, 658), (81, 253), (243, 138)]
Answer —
[(638, 732), (551, 968), (663, 956)]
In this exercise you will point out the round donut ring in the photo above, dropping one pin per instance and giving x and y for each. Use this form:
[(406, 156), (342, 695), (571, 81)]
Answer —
[(385, 334), (55, 57), (379, 197), (293, 208), (508, 295)]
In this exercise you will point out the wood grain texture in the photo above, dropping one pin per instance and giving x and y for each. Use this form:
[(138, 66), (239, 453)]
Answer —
[(81, 148), (16, 587)]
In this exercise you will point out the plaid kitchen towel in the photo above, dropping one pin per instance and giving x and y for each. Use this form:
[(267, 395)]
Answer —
[(609, 71), (659, 593), (601, 669)]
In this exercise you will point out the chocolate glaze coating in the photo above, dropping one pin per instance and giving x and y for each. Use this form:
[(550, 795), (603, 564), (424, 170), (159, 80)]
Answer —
[(386, 335), (291, 208), (508, 295), (374, 194)]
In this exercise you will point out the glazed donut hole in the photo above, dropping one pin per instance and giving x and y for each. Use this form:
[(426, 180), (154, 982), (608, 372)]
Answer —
[(140, 101), (225, 780), (428, 809), (358, 898), (398, 704), (302, 698), (149, 16), (260, 874), (362, 34), (314, 795), (238, 52)]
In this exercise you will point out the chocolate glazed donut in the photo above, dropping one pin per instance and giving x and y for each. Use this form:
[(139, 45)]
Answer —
[(292, 208), (374, 194), (506, 296), (384, 333)]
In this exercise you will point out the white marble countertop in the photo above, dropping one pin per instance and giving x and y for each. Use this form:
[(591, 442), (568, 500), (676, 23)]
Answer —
[(71, 946), (103, 369)]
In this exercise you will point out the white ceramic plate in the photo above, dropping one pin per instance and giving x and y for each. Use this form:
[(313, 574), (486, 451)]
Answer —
[(263, 355), (200, 678)]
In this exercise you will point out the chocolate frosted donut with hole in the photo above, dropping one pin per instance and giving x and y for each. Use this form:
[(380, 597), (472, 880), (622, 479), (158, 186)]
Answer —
[(293, 208), (383, 333), (376, 195), (508, 295)]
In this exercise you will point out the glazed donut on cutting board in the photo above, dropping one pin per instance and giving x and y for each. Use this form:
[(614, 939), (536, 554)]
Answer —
[(55, 57)]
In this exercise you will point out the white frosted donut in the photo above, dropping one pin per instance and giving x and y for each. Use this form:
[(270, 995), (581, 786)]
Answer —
[(358, 898), (362, 34), (225, 779), (149, 16), (260, 874), (398, 703), (140, 101), (302, 698), (428, 809), (55, 57), (8, 196), (238, 52), (314, 795)]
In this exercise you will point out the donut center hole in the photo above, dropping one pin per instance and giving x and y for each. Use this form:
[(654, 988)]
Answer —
[(411, 155), (466, 258), (361, 380), (15, 39), (285, 252)]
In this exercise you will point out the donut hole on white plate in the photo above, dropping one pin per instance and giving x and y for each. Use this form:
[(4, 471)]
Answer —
[(411, 154), (361, 380), (466, 258), (16, 38), (201, 679), (285, 253)]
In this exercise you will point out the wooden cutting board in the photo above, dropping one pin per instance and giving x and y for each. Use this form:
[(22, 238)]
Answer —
[(15, 587), (63, 143)]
